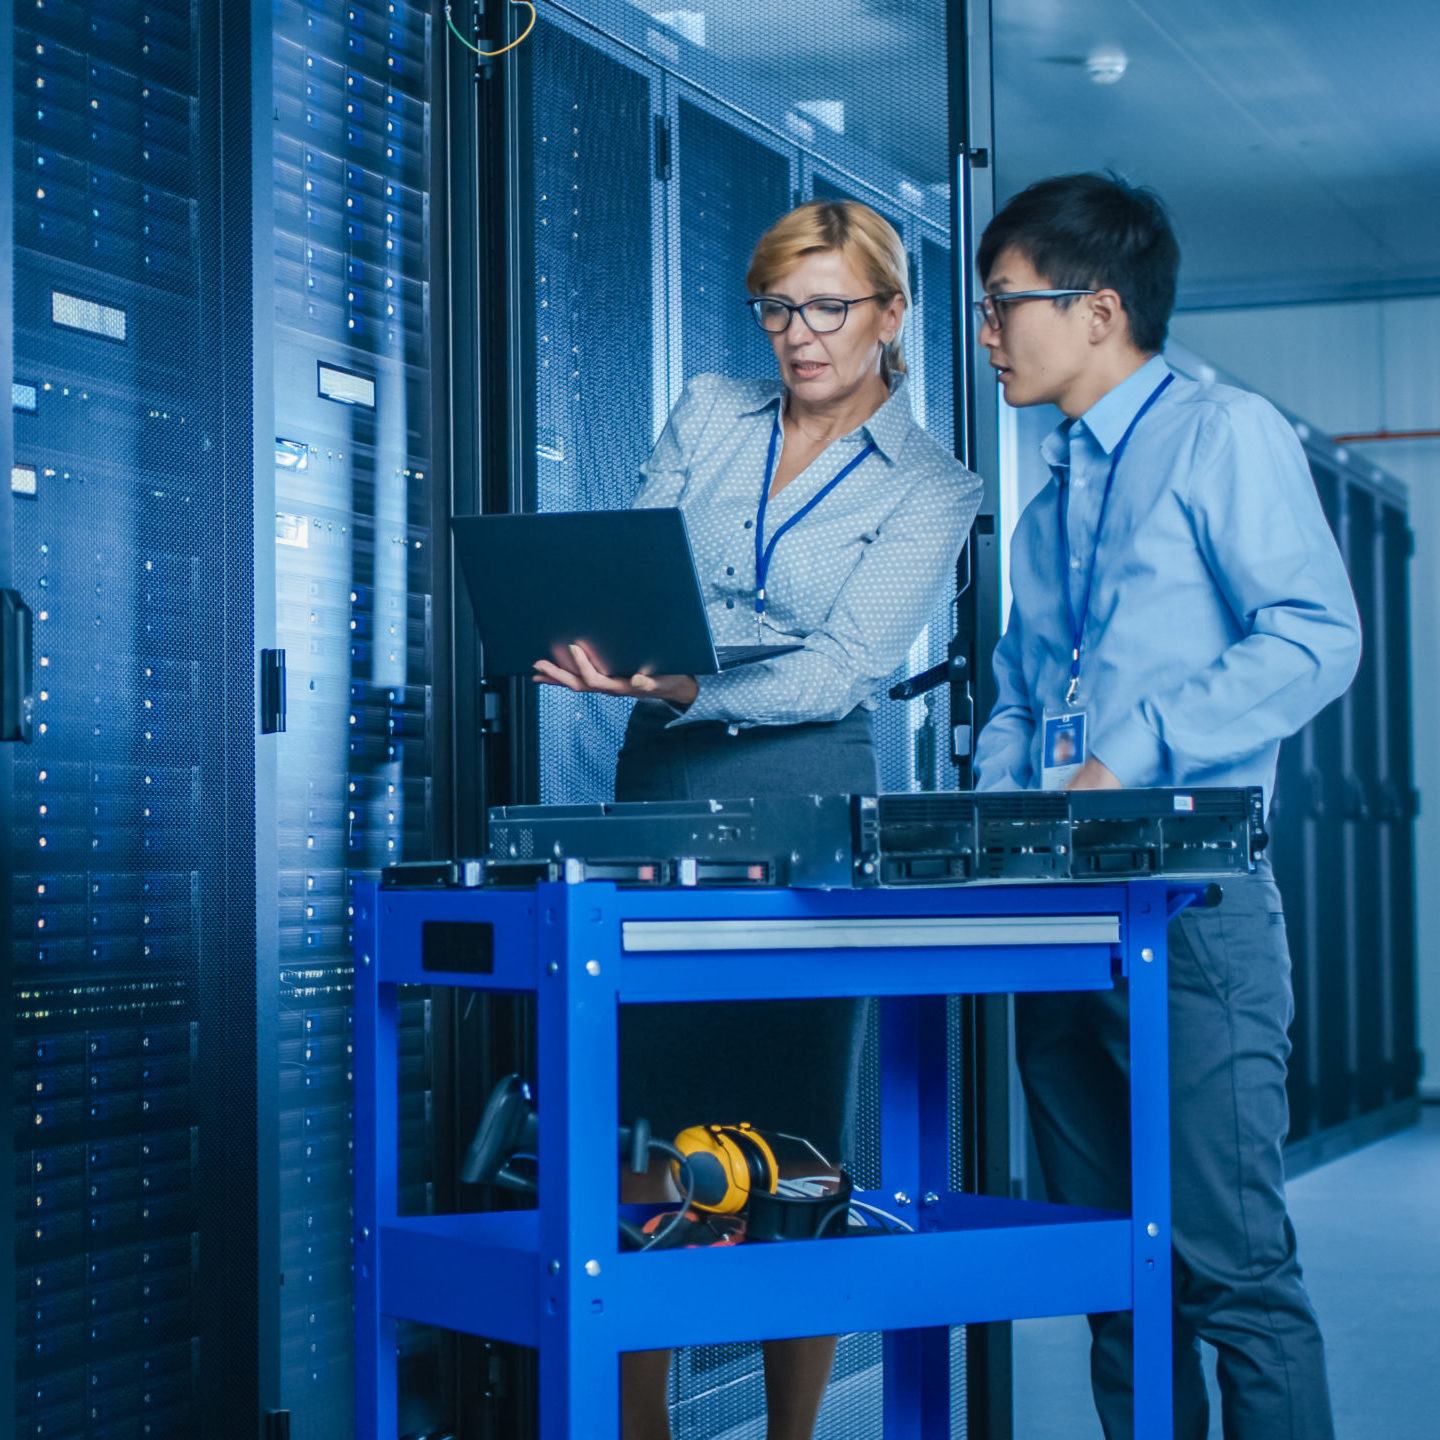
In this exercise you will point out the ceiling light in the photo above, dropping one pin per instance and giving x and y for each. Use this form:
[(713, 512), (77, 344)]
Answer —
[(1105, 64)]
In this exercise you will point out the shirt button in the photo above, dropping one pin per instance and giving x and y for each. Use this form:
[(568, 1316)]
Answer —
[(749, 523), (729, 569), (729, 604), (732, 730), (1075, 564), (1079, 484)]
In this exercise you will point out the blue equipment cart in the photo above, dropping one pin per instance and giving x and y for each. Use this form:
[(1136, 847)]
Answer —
[(554, 1277)]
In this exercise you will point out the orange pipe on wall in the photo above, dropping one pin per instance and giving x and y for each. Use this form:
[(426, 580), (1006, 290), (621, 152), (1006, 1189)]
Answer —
[(1386, 435)]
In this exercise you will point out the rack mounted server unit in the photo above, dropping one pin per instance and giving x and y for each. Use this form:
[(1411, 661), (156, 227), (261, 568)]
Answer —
[(861, 841), (951, 839)]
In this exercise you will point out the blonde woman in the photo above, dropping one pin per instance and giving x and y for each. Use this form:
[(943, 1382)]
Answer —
[(820, 513)]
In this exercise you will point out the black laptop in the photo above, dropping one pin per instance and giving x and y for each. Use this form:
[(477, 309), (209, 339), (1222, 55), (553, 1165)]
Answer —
[(621, 581)]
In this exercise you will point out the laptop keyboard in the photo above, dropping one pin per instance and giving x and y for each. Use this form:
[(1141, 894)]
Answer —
[(730, 656)]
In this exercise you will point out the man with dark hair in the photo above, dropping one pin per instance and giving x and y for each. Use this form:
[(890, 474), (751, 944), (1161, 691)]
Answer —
[(1179, 608)]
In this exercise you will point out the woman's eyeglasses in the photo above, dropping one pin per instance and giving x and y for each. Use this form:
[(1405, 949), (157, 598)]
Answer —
[(823, 316)]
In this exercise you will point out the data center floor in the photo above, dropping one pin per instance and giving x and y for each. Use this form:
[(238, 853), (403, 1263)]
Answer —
[(1369, 1228)]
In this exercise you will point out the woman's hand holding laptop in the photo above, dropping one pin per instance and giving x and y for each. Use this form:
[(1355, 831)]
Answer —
[(679, 690)]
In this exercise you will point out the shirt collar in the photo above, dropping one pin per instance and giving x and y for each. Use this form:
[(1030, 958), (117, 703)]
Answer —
[(1055, 447), (1110, 416), (887, 427), (772, 391)]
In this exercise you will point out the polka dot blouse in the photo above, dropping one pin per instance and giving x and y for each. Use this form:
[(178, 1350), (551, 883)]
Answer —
[(855, 580)]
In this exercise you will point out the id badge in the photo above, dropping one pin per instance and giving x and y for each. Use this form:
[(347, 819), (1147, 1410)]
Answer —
[(1063, 747)]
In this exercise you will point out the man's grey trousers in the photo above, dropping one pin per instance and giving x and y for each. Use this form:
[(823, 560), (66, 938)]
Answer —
[(1237, 1279)]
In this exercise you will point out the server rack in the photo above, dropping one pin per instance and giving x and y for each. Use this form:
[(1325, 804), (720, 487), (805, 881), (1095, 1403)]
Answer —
[(222, 438), (128, 502), (1343, 846)]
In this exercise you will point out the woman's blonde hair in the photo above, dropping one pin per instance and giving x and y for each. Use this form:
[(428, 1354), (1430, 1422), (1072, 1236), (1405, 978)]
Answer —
[(859, 233)]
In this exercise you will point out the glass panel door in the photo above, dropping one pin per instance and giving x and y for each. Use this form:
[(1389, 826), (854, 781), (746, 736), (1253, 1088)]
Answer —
[(355, 576), (662, 144)]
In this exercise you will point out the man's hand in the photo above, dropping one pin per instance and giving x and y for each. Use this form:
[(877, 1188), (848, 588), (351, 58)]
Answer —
[(587, 676), (1092, 775)]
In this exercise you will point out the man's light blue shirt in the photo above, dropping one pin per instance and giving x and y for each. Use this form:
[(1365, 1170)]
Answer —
[(1221, 618)]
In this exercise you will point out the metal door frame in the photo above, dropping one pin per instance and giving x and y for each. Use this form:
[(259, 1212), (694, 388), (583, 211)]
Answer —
[(7, 529), (986, 1025), (239, 1377)]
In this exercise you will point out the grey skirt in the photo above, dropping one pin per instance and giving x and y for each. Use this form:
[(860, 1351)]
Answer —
[(789, 1065)]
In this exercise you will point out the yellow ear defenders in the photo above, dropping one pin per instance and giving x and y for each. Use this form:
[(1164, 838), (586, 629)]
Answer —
[(728, 1163)]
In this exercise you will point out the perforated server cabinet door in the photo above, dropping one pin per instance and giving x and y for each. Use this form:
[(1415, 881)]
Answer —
[(734, 182), (355, 575), (1327, 897), (1397, 806), (660, 147), (131, 835), (1368, 962), (1341, 823), (1311, 870), (595, 231), (1304, 825)]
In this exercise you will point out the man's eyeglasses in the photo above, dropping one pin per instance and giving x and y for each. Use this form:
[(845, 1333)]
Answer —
[(823, 316), (988, 307)]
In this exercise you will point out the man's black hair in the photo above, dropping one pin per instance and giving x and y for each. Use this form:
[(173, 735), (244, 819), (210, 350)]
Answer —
[(1094, 232)]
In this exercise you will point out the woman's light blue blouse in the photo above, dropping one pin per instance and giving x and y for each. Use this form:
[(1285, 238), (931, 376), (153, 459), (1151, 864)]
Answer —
[(855, 580)]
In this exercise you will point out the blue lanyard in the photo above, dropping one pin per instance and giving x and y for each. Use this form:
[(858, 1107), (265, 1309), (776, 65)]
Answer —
[(1062, 509), (763, 552)]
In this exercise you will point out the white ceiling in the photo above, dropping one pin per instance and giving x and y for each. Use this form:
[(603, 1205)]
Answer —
[(1298, 141)]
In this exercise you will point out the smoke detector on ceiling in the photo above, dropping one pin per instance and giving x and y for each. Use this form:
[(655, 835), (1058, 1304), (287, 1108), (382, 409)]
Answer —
[(1106, 64)]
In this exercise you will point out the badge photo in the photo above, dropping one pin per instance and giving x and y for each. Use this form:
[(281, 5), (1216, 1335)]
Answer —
[(1062, 747)]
